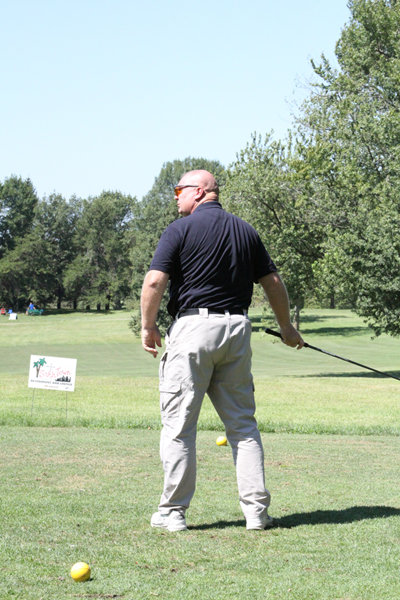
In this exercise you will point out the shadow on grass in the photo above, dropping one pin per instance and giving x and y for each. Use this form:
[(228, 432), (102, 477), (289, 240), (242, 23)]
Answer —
[(218, 525), (362, 374), (303, 318), (342, 331), (259, 324), (337, 331), (316, 517), (347, 515)]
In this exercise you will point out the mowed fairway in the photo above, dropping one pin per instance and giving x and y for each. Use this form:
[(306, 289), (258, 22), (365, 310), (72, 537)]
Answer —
[(296, 391), (83, 486)]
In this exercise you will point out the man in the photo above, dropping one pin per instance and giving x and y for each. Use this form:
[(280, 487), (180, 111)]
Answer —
[(211, 259)]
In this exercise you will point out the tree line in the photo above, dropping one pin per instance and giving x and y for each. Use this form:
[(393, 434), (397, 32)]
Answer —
[(325, 200)]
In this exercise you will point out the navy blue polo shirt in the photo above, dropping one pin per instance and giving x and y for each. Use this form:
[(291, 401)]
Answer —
[(213, 259)]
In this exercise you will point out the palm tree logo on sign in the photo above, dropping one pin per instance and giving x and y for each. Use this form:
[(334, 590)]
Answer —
[(39, 363)]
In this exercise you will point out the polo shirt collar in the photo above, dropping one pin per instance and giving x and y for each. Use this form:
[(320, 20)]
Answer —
[(210, 204)]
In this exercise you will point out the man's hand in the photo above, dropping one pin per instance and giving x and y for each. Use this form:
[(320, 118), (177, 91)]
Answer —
[(291, 337), (154, 286), (151, 338)]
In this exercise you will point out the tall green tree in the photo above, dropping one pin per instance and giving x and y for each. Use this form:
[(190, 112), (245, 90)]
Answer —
[(33, 268), (265, 187), (55, 226), (18, 200), (18, 268), (352, 119), (101, 272)]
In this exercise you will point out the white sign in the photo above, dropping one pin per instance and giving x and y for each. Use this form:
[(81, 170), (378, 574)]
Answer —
[(52, 373)]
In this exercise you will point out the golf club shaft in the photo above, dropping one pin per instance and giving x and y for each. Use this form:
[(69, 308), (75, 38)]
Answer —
[(353, 362)]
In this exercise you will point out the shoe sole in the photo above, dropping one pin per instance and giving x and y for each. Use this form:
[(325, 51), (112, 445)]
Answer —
[(166, 528), (268, 525)]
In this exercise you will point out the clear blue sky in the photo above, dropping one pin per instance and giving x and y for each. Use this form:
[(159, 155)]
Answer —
[(98, 94)]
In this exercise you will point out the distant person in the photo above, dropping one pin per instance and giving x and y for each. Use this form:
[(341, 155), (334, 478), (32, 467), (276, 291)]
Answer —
[(30, 308), (212, 259)]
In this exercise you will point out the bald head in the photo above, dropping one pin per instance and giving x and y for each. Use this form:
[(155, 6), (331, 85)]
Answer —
[(203, 179)]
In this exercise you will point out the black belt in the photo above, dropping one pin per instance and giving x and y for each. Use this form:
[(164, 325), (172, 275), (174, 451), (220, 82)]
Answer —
[(211, 311)]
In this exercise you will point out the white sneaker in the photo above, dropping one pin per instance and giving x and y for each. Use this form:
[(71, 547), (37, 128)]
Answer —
[(264, 522), (173, 521)]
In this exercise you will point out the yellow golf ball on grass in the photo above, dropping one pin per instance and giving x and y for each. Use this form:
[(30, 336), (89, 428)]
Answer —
[(221, 441), (80, 571)]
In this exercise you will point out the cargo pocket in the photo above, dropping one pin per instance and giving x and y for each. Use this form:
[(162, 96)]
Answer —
[(170, 399)]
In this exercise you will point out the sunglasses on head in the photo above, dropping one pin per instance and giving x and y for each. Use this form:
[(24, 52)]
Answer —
[(178, 189)]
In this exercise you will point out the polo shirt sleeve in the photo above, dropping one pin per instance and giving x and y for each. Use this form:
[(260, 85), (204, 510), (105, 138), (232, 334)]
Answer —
[(263, 264), (167, 251)]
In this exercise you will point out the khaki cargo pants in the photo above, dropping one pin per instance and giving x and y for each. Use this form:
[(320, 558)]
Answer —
[(209, 353)]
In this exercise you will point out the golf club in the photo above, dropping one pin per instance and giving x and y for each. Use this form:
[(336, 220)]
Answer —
[(353, 362)]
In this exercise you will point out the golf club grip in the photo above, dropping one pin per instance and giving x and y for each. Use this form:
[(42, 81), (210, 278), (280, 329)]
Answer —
[(272, 332), (278, 335)]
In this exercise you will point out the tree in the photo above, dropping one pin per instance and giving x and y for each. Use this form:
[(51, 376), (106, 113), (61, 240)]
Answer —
[(33, 267), (18, 200), (55, 225), (101, 272), (151, 216), (16, 273), (353, 120), (265, 188)]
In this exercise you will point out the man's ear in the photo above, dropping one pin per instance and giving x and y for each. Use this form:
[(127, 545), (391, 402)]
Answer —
[(200, 195)]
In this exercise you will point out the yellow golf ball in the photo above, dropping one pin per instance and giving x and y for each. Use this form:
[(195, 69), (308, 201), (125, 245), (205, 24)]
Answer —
[(221, 441), (80, 571)]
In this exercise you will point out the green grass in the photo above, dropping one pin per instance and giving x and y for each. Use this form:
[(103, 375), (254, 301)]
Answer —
[(296, 391), (83, 485), (77, 494)]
